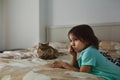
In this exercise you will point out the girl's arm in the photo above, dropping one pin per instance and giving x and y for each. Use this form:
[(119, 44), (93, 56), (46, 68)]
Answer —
[(60, 64), (73, 56), (84, 68), (74, 61)]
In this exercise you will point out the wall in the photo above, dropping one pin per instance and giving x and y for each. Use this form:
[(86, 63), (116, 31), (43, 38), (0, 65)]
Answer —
[(1, 27), (43, 10), (21, 23), (0, 15), (70, 12), (25, 21)]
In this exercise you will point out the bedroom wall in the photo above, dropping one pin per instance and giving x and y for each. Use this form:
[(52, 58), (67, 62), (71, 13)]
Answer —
[(25, 21), (70, 12), (43, 10), (21, 23), (0, 24), (1, 33)]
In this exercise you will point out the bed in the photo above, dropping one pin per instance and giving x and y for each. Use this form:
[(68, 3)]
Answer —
[(25, 65)]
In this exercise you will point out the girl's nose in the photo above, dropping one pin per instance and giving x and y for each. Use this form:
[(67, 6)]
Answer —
[(72, 43)]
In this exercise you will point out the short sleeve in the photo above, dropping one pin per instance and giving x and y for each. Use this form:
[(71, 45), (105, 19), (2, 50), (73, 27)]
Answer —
[(88, 58)]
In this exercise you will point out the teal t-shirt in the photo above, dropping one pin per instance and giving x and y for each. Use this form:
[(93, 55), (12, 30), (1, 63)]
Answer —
[(101, 66)]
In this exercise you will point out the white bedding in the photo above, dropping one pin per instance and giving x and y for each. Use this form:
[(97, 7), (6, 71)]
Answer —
[(33, 68)]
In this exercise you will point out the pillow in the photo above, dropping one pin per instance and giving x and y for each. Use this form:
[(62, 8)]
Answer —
[(114, 54), (111, 47)]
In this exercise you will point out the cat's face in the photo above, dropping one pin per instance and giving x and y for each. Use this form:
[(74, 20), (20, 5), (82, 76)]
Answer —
[(46, 52), (43, 46)]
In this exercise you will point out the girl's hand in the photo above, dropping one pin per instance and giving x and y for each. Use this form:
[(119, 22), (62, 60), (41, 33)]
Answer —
[(60, 64), (57, 64), (72, 51)]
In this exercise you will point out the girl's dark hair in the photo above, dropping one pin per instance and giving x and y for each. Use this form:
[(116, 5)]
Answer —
[(85, 33)]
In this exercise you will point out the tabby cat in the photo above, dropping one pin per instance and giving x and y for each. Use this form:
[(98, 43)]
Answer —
[(45, 51)]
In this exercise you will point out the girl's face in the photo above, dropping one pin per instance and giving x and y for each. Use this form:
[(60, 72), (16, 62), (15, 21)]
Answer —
[(76, 43)]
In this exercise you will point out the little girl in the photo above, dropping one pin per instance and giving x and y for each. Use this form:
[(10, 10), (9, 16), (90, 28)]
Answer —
[(83, 41)]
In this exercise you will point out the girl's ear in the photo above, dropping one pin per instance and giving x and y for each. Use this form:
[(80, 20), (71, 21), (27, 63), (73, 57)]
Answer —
[(87, 43)]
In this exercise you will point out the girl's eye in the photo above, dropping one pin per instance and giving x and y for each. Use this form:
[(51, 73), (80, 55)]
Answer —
[(75, 39)]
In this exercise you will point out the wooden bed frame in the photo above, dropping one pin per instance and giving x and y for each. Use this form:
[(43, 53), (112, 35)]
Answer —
[(104, 31)]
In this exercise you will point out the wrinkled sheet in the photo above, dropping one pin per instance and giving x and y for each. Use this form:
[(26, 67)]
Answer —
[(38, 69)]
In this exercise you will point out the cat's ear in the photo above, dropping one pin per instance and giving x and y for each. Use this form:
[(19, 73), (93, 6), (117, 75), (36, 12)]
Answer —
[(40, 44), (47, 43)]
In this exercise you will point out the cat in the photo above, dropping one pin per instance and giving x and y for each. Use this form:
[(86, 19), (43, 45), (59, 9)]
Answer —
[(45, 51)]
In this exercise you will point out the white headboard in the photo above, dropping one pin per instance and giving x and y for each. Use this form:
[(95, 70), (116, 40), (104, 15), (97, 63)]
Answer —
[(105, 31)]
